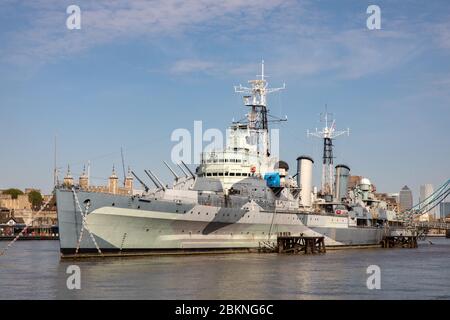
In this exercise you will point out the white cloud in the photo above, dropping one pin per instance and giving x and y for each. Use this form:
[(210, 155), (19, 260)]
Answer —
[(104, 21), (300, 38), (192, 65)]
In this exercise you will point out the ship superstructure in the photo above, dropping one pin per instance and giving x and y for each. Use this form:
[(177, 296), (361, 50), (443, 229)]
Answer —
[(248, 149), (237, 198)]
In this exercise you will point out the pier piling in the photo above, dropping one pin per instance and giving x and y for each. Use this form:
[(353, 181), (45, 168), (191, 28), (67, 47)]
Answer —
[(399, 241), (300, 244)]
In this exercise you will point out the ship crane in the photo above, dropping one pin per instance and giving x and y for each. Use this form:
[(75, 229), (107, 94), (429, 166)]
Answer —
[(328, 134)]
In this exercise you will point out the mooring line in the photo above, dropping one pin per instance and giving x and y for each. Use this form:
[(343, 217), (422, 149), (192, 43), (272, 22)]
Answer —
[(84, 224), (3, 252)]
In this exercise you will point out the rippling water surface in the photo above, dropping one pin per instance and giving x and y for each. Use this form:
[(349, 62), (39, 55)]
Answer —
[(33, 270)]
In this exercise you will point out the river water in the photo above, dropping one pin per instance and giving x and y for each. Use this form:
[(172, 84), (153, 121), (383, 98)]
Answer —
[(33, 270)]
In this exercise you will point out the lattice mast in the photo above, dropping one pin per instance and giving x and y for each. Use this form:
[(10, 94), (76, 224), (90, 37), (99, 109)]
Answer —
[(255, 99), (328, 134)]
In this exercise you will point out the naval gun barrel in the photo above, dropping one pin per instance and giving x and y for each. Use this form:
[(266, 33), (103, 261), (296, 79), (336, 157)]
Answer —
[(157, 185), (184, 164), (173, 172), (184, 171), (155, 179), (140, 181)]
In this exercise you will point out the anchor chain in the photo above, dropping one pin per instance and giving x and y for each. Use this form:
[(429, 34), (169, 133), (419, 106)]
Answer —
[(84, 225)]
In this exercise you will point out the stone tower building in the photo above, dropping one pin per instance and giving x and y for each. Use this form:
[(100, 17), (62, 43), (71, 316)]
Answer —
[(84, 180), (68, 179), (113, 184), (129, 181)]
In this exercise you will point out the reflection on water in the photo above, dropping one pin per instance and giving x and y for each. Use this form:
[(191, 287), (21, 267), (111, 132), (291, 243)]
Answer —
[(32, 270)]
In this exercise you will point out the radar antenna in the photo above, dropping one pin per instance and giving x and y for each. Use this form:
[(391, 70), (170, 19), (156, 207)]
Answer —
[(256, 99), (328, 134)]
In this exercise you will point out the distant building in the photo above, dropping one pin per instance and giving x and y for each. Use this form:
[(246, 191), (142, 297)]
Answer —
[(9, 225), (426, 191), (21, 203), (444, 210), (112, 187), (405, 199), (395, 195), (391, 202), (21, 208), (5, 213), (353, 181)]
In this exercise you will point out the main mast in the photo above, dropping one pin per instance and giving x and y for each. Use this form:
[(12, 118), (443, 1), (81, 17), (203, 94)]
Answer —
[(256, 100), (328, 134)]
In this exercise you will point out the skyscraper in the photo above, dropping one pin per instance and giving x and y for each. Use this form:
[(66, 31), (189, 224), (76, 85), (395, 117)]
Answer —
[(444, 209), (405, 199), (426, 191)]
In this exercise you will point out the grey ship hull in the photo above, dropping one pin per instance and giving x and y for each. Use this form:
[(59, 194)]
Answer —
[(122, 224)]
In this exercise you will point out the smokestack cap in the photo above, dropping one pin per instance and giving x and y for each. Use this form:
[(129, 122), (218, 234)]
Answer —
[(306, 157), (343, 166)]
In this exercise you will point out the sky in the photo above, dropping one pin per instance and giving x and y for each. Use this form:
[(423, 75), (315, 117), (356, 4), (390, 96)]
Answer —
[(138, 70)]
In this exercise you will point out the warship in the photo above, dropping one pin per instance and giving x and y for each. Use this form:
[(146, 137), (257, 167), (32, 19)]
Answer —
[(237, 199)]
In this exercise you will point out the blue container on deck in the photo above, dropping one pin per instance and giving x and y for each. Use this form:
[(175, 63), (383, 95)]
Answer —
[(272, 179)]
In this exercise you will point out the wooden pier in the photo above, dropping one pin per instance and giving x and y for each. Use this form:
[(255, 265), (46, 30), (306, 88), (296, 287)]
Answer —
[(300, 244), (399, 241)]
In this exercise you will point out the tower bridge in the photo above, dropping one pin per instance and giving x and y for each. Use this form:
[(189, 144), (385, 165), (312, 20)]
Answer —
[(410, 216)]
